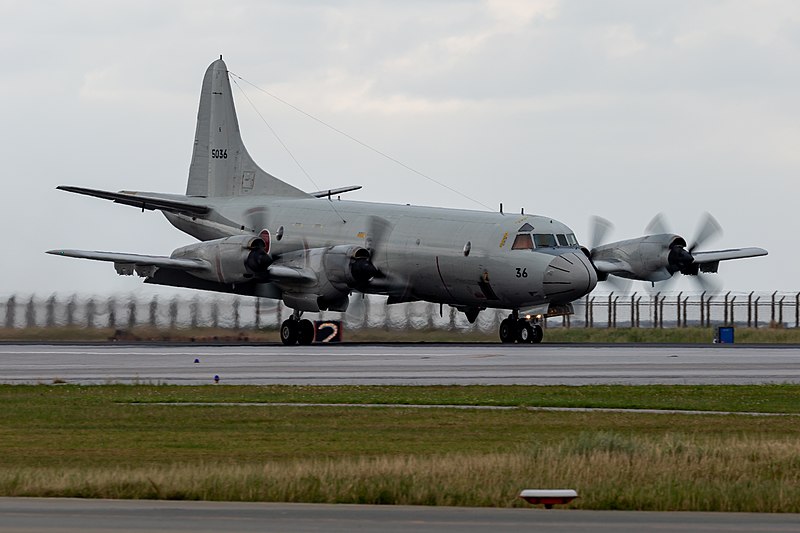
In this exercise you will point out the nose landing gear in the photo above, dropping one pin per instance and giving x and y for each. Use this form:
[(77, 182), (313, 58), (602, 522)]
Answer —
[(521, 330)]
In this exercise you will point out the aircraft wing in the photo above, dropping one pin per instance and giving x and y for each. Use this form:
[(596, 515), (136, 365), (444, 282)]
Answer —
[(136, 259), (143, 201), (722, 255)]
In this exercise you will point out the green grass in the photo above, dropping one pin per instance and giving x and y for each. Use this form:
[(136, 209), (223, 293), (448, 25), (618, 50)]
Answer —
[(116, 441)]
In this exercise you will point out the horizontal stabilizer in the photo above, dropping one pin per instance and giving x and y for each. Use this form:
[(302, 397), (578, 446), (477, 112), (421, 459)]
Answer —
[(135, 259), (722, 255), (142, 201), (332, 192)]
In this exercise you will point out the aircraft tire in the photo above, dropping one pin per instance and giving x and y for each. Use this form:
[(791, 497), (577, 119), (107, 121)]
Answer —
[(289, 332), (508, 332), (524, 332), (305, 332), (538, 334)]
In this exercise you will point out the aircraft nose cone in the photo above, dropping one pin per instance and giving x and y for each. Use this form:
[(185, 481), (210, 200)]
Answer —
[(568, 277)]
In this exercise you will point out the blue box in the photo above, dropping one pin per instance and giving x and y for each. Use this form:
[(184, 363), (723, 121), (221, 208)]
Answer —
[(725, 335)]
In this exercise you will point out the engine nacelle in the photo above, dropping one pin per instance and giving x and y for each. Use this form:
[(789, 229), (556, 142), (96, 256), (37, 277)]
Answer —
[(348, 267), (231, 259), (648, 258)]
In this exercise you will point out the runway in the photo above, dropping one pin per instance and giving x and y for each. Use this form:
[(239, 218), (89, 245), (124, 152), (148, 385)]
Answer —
[(400, 364), (35, 515)]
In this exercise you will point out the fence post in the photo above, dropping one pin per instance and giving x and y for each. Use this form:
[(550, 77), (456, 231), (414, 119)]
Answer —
[(708, 311), (30, 313), (797, 310), (153, 312), (655, 309), (11, 311), (780, 311), (685, 305), (610, 295), (703, 309), (638, 313), (678, 309), (258, 313), (132, 313), (733, 320), (755, 312), (91, 312), (236, 316), (112, 313), (749, 310), (661, 312), (633, 309), (215, 313), (615, 311), (725, 322), (591, 312), (50, 314), (772, 318)]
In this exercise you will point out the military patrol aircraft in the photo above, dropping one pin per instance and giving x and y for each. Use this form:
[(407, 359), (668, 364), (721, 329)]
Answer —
[(262, 237)]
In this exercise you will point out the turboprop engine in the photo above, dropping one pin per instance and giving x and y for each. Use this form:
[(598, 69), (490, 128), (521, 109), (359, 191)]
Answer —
[(230, 259), (648, 258)]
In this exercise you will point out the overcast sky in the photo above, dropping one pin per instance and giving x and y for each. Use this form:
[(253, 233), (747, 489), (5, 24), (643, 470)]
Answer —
[(567, 108)]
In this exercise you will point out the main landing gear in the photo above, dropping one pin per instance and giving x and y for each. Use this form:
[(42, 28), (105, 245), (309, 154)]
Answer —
[(297, 331), (521, 330)]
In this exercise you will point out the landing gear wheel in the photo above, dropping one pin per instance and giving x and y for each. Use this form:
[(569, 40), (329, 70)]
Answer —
[(524, 332), (289, 332), (305, 332), (508, 332), (538, 334)]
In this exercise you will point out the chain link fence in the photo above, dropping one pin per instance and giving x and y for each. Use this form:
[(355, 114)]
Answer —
[(613, 310)]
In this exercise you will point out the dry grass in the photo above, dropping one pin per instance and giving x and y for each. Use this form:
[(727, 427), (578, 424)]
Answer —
[(609, 470)]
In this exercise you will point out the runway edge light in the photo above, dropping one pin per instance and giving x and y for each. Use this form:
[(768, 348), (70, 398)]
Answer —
[(548, 497)]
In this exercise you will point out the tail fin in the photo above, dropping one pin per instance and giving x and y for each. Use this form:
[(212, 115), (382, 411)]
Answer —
[(220, 164)]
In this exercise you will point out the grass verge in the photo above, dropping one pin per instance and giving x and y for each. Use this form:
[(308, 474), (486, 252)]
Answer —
[(117, 442)]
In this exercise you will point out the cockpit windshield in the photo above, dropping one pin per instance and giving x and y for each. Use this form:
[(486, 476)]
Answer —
[(531, 241)]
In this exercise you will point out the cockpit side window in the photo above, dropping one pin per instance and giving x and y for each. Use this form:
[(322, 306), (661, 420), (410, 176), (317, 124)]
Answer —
[(544, 240), (562, 239), (571, 239), (522, 241)]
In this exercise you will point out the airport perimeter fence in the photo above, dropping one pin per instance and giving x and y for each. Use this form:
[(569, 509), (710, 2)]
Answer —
[(614, 310)]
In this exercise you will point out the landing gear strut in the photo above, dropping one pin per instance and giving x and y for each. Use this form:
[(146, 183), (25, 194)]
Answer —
[(297, 331), (521, 330)]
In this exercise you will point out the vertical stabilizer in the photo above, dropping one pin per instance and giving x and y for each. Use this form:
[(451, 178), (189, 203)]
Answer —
[(220, 164)]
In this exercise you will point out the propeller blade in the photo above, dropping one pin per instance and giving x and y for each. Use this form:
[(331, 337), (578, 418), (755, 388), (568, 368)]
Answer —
[(600, 228), (619, 285), (707, 229), (378, 230), (708, 283), (256, 219), (658, 225)]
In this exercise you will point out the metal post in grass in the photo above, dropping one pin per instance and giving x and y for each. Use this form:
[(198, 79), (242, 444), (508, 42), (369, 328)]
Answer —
[(11, 311), (194, 312), (633, 303), (153, 312), (661, 312), (608, 310), (591, 312), (678, 309), (111, 304), (215, 313), (173, 313), (708, 311), (733, 320), (586, 313), (279, 313), (132, 313), (236, 315), (615, 311), (685, 305), (638, 313), (258, 314), (655, 309), (725, 321), (50, 311), (91, 312), (703, 309), (30, 313), (749, 309), (772, 317), (755, 312), (797, 310), (780, 311)]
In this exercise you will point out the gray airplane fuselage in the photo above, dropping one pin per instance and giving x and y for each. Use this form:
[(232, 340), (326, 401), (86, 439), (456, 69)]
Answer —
[(423, 253)]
